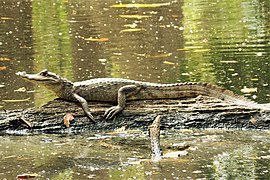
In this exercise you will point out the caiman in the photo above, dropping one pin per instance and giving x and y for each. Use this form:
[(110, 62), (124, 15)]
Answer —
[(120, 90)]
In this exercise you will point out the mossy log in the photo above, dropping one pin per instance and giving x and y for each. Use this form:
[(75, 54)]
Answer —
[(200, 112)]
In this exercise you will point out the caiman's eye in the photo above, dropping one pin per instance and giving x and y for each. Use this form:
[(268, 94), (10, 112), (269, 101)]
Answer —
[(44, 72)]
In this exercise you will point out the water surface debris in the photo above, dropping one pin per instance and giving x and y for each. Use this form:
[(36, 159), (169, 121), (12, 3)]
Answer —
[(96, 39), (21, 89), (134, 16), (15, 100), (27, 176), (131, 30), (154, 5)]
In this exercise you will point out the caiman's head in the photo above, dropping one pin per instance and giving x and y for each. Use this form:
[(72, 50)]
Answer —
[(48, 79), (43, 77)]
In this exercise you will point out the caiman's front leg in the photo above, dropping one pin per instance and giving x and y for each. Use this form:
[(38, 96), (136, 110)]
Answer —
[(84, 106), (123, 93)]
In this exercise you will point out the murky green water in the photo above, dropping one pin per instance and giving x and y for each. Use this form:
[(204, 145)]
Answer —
[(221, 42), (213, 154)]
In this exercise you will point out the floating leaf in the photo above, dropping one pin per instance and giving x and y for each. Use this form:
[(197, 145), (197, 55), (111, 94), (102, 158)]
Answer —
[(3, 68), (201, 50), (135, 16), (249, 90), (229, 62), (182, 49), (169, 63), (197, 172), (160, 55), (22, 89), (8, 157), (15, 100), (67, 119), (185, 74), (140, 5), (254, 79), (4, 59), (131, 25), (102, 60), (6, 18), (97, 39), (131, 30), (27, 176)]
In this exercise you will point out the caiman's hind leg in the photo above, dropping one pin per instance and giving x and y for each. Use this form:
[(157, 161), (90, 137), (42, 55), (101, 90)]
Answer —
[(123, 93), (84, 106)]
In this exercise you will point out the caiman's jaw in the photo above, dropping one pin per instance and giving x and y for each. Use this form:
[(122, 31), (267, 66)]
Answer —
[(43, 77)]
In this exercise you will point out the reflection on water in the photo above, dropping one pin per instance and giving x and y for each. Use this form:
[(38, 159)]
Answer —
[(213, 154), (222, 42), (225, 43)]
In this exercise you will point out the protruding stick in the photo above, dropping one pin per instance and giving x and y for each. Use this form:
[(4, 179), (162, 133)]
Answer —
[(154, 133)]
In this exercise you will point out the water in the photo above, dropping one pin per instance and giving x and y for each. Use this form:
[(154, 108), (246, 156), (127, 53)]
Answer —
[(221, 42), (213, 154), (224, 43)]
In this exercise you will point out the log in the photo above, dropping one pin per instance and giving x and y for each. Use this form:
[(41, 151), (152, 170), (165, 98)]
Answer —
[(200, 112)]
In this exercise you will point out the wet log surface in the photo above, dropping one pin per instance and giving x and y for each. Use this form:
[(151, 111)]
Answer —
[(200, 112)]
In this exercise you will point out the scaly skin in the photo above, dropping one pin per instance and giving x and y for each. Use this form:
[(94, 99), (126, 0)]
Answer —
[(120, 90)]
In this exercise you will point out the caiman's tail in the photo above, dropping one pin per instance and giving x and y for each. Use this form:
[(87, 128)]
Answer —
[(229, 96), (193, 89), (226, 95)]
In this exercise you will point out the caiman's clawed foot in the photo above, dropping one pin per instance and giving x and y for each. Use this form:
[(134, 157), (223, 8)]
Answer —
[(112, 111)]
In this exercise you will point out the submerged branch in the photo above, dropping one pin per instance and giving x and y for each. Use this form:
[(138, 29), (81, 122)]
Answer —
[(154, 133)]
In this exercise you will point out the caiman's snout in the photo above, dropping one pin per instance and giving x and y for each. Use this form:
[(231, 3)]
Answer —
[(22, 74), (44, 75)]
